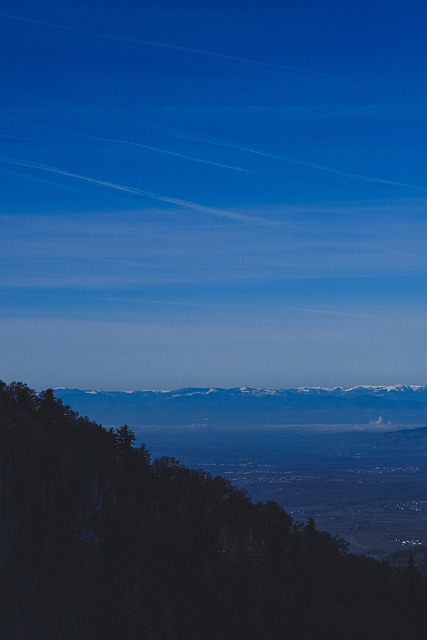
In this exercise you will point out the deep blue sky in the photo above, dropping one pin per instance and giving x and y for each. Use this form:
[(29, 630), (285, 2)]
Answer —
[(213, 194)]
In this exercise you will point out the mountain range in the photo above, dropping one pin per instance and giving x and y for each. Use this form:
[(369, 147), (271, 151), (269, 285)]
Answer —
[(374, 407)]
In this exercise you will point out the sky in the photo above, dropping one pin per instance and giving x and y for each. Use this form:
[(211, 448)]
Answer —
[(213, 194)]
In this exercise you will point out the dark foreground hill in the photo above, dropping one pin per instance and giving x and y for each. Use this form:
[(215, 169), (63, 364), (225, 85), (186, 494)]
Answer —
[(97, 541)]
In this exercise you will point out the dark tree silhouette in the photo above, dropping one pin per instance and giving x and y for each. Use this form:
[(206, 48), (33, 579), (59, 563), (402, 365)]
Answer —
[(97, 541)]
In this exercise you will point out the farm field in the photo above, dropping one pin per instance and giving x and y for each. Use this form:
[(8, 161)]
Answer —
[(369, 488)]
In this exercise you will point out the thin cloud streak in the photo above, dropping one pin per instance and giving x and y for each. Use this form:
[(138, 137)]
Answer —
[(296, 161), (128, 143), (163, 45), (41, 180), (141, 192), (167, 152), (309, 112), (355, 313), (224, 144), (237, 147), (162, 302)]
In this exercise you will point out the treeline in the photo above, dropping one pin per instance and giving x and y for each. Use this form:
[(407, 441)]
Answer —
[(98, 541)]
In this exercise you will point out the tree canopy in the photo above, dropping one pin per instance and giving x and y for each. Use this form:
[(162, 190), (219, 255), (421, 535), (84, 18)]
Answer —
[(98, 541)]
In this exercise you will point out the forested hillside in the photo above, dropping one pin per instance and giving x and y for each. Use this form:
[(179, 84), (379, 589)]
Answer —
[(98, 541)]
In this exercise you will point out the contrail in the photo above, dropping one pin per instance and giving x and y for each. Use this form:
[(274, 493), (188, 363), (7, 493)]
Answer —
[(140, 192), (167, 152), (41, 180), (166, 302), (228, 145), (162, 45), (296, 161), (128, 143)]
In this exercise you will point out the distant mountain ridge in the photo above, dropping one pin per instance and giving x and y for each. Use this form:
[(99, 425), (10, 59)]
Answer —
[(245, 406)]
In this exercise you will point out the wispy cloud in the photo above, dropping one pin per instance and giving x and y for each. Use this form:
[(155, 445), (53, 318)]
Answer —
[(124, 250), (41, 180), (223, 213), (304, 112), (163, 45), (173, 303), (297, 161), (219, 143), (371, 313), (211, 141), (175, 154), (128, 143)]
